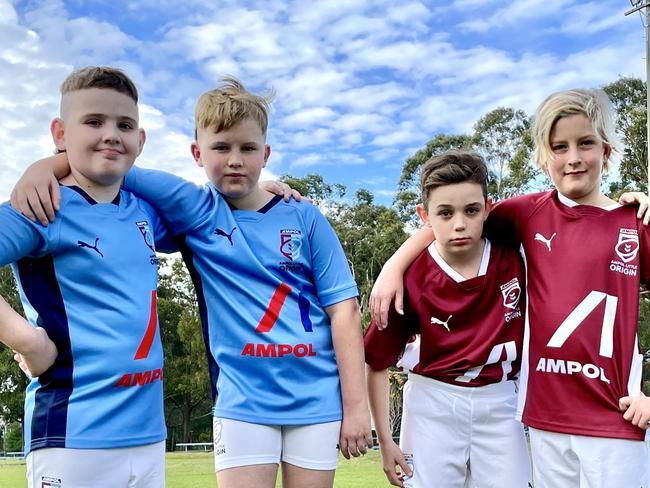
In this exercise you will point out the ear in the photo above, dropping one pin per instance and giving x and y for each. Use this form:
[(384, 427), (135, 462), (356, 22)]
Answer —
[(267, 153), (196, 154), (143, 138), (607, 152), (423, 214), (488, 206), (57, 128)]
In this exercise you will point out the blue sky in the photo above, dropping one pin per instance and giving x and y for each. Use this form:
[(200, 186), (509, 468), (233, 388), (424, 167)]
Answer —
[(360, 85)]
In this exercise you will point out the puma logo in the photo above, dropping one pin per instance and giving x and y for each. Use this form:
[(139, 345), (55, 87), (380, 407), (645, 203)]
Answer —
[(94, 248), (223, 233), (445, 324), (539, 237)]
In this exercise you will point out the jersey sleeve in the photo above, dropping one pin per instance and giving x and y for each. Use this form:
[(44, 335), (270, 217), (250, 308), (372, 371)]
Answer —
[(383, 348), (183, 205), (19, 237), (332, 277), (501, 226)]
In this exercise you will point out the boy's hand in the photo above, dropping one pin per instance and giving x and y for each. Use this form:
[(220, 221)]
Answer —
[(388, 287), (280, 188), (40, 356), (37, 195), (636, 197), (637, 410), (391, 457), (355, 437)]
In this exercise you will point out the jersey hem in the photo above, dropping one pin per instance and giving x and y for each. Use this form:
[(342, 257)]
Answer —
[(94, 443), (321, 419), (564, 429)]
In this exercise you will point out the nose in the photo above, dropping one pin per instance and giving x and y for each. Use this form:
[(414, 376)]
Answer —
[(574, 157), (459, 222), (111, 134), (235, 159)]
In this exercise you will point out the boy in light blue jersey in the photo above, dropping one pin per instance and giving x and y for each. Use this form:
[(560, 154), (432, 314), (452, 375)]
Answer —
[(95, 417), (277, 301)]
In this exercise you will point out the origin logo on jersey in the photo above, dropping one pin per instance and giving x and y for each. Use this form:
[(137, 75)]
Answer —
[(511, 292), (627, 249), (290, 243)]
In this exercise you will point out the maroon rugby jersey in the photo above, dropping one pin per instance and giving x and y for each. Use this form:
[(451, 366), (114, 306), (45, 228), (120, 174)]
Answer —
[(470, 330), (584, 266)]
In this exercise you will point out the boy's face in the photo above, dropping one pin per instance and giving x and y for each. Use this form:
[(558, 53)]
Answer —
[(233, 159), (456, 214), (580, 153), (98, 129)]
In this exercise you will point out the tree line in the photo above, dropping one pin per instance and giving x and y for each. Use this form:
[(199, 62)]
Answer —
[(369, 233)]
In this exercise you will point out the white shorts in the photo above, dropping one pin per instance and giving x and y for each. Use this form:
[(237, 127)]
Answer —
[(576, 461), (463, 436), (313, 446), (125, 467)]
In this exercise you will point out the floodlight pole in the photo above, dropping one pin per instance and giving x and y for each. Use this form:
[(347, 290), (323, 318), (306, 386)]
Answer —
[(637, 6)]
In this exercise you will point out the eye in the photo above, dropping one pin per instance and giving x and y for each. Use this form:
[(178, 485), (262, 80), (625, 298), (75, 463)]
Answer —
[(249, 148), (588, 142), (126, 126), (558, 147), (93, 122), (472, 210), (445, 214), (220, 147)]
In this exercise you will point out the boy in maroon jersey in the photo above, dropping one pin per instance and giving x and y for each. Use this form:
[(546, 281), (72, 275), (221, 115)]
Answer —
[(585, 259), (463, 297)]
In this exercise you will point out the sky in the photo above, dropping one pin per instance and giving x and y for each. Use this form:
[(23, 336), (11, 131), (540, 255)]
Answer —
[(359, 85)]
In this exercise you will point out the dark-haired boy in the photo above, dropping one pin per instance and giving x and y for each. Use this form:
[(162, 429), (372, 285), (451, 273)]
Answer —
[(463, 296)]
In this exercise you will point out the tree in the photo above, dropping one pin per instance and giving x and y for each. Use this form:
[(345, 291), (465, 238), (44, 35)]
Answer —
[(628, 96), (503, 138), (12, 380), (369, 234), (187, 384), (408, 186), (314, 186)]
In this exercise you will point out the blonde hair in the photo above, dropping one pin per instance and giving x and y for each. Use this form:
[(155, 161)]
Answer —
[(224, 107), (100, 77), (593, 104)]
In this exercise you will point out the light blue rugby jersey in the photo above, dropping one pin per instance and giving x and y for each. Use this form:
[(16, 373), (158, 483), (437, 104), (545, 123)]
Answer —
[(90, 280), (263, 279)]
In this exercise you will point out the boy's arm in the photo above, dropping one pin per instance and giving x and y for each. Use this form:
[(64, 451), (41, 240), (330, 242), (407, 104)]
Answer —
[(389, 284), (35, 352), (355, 435), (379, 395), (37, 195)]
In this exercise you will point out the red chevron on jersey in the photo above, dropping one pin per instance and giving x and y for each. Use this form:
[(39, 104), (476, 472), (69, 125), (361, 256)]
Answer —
[(273, 310), (150, 333)]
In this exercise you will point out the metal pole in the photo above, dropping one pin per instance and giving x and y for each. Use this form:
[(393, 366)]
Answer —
[(647, 85)]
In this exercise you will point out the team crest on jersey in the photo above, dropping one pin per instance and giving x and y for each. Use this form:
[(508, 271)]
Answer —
[(49, 482), (627, 246), (511, 292), (627, 249), (290, 243), (146, 234)]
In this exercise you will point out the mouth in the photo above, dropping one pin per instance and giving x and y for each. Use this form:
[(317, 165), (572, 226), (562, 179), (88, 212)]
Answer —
[(235, 175), (460, 241), (110, 153), (575, 173)]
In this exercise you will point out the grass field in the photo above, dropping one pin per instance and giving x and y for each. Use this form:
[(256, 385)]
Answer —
[(196, 470)]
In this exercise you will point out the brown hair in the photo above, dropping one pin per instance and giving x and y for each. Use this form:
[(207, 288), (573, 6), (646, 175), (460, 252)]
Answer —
[(452, 167), (100, 77)]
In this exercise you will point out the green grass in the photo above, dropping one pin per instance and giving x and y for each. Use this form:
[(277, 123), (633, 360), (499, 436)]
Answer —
[(196, 470)]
